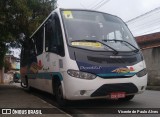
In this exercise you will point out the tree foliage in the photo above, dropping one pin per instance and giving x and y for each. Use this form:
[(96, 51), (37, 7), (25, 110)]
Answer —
[(20, 17)]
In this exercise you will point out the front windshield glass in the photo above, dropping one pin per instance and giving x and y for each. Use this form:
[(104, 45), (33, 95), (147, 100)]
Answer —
[(88, 29)]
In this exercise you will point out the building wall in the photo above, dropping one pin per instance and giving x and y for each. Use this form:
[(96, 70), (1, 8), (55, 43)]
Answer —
[(152, 58), (15, 62)]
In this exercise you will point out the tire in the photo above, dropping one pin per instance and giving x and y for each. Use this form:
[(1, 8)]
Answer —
[(26, 86), (127, 98), (59, 95)]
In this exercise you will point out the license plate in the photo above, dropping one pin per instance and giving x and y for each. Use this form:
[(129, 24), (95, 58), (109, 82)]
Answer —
[(117, 95)]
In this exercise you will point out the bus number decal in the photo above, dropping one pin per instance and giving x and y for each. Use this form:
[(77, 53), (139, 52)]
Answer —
[(68, 14)]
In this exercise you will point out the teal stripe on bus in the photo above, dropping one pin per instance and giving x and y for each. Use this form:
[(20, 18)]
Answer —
[(45, 75), (114, 75)]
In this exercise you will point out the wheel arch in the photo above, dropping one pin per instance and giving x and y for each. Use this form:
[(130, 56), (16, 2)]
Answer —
[(56, 79)]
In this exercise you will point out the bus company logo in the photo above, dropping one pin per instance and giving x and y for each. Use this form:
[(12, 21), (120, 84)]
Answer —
[(121, 70), (124, 70), (90, 68)]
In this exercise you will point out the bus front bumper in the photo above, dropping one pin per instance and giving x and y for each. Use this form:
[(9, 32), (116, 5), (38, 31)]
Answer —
[(99, 88)]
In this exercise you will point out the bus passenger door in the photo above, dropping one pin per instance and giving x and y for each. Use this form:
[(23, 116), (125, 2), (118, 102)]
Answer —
[(38, 41), (54, 47), (52, 50)]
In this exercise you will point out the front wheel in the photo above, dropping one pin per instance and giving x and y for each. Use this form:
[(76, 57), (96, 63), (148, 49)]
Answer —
[(59, 95), (127, 98)]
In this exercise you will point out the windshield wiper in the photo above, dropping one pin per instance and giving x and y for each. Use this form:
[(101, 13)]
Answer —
[(136, 49), (86, 40)]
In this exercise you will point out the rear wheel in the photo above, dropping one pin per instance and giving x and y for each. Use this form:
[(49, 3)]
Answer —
[(25, 85), (127, 98)]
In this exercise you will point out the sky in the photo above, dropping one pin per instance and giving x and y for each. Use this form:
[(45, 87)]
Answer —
[(125, 9)]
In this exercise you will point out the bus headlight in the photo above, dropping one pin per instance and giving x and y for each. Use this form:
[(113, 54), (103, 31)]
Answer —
[(81, 75), (142, 72)]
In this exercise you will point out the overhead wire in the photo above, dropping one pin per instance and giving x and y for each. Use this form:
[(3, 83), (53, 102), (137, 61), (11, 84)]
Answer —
[(102, 4), (92, 4), (150, 30), (146, 25), (134, 19), (143, 17), (97, 4), (82, 5), (153, 15)]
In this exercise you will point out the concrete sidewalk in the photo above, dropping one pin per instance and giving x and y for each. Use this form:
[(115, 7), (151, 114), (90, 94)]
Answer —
[(12, 96)]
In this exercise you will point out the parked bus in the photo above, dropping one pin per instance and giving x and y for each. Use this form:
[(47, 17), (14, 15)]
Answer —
[(80, 54)]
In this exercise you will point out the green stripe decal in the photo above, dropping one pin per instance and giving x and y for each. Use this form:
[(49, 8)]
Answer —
[(114, 75)]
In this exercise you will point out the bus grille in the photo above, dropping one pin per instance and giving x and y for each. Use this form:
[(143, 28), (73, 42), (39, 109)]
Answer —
[(106, 89), (112, 60)]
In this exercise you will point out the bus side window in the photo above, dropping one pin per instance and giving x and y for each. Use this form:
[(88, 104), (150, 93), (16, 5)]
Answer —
[(53, 36), (59, 38), (38, 40), (49, 35)]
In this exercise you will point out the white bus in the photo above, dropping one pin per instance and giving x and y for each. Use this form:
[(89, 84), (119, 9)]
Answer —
[(83, 54)]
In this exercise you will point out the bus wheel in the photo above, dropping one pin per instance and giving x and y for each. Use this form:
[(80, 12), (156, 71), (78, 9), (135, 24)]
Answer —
[(59, 95), (26, 86), (127, 98)]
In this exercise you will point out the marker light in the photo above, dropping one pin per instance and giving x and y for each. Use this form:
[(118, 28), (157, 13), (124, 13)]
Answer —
[(142, 73)]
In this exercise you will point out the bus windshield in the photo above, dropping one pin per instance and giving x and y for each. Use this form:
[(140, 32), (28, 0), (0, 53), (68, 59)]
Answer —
[(100, 29)]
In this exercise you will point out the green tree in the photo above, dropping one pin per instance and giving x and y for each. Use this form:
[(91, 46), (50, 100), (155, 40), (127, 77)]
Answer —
[(20, 17)]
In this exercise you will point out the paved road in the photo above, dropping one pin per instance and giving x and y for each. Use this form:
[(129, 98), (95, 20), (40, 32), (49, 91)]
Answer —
[(15, 97), (94, 108)]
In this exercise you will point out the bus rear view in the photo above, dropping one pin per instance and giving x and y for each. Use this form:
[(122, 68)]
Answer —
[(105, 59)]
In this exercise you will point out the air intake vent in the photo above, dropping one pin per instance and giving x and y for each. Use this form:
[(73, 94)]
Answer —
[(112, 60)]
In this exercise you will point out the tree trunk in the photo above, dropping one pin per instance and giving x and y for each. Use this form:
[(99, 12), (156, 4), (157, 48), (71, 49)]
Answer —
[(1, 75)]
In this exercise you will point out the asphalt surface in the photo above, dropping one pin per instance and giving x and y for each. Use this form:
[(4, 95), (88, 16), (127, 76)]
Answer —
[(149, 100), (14, 97), (89, 108)]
